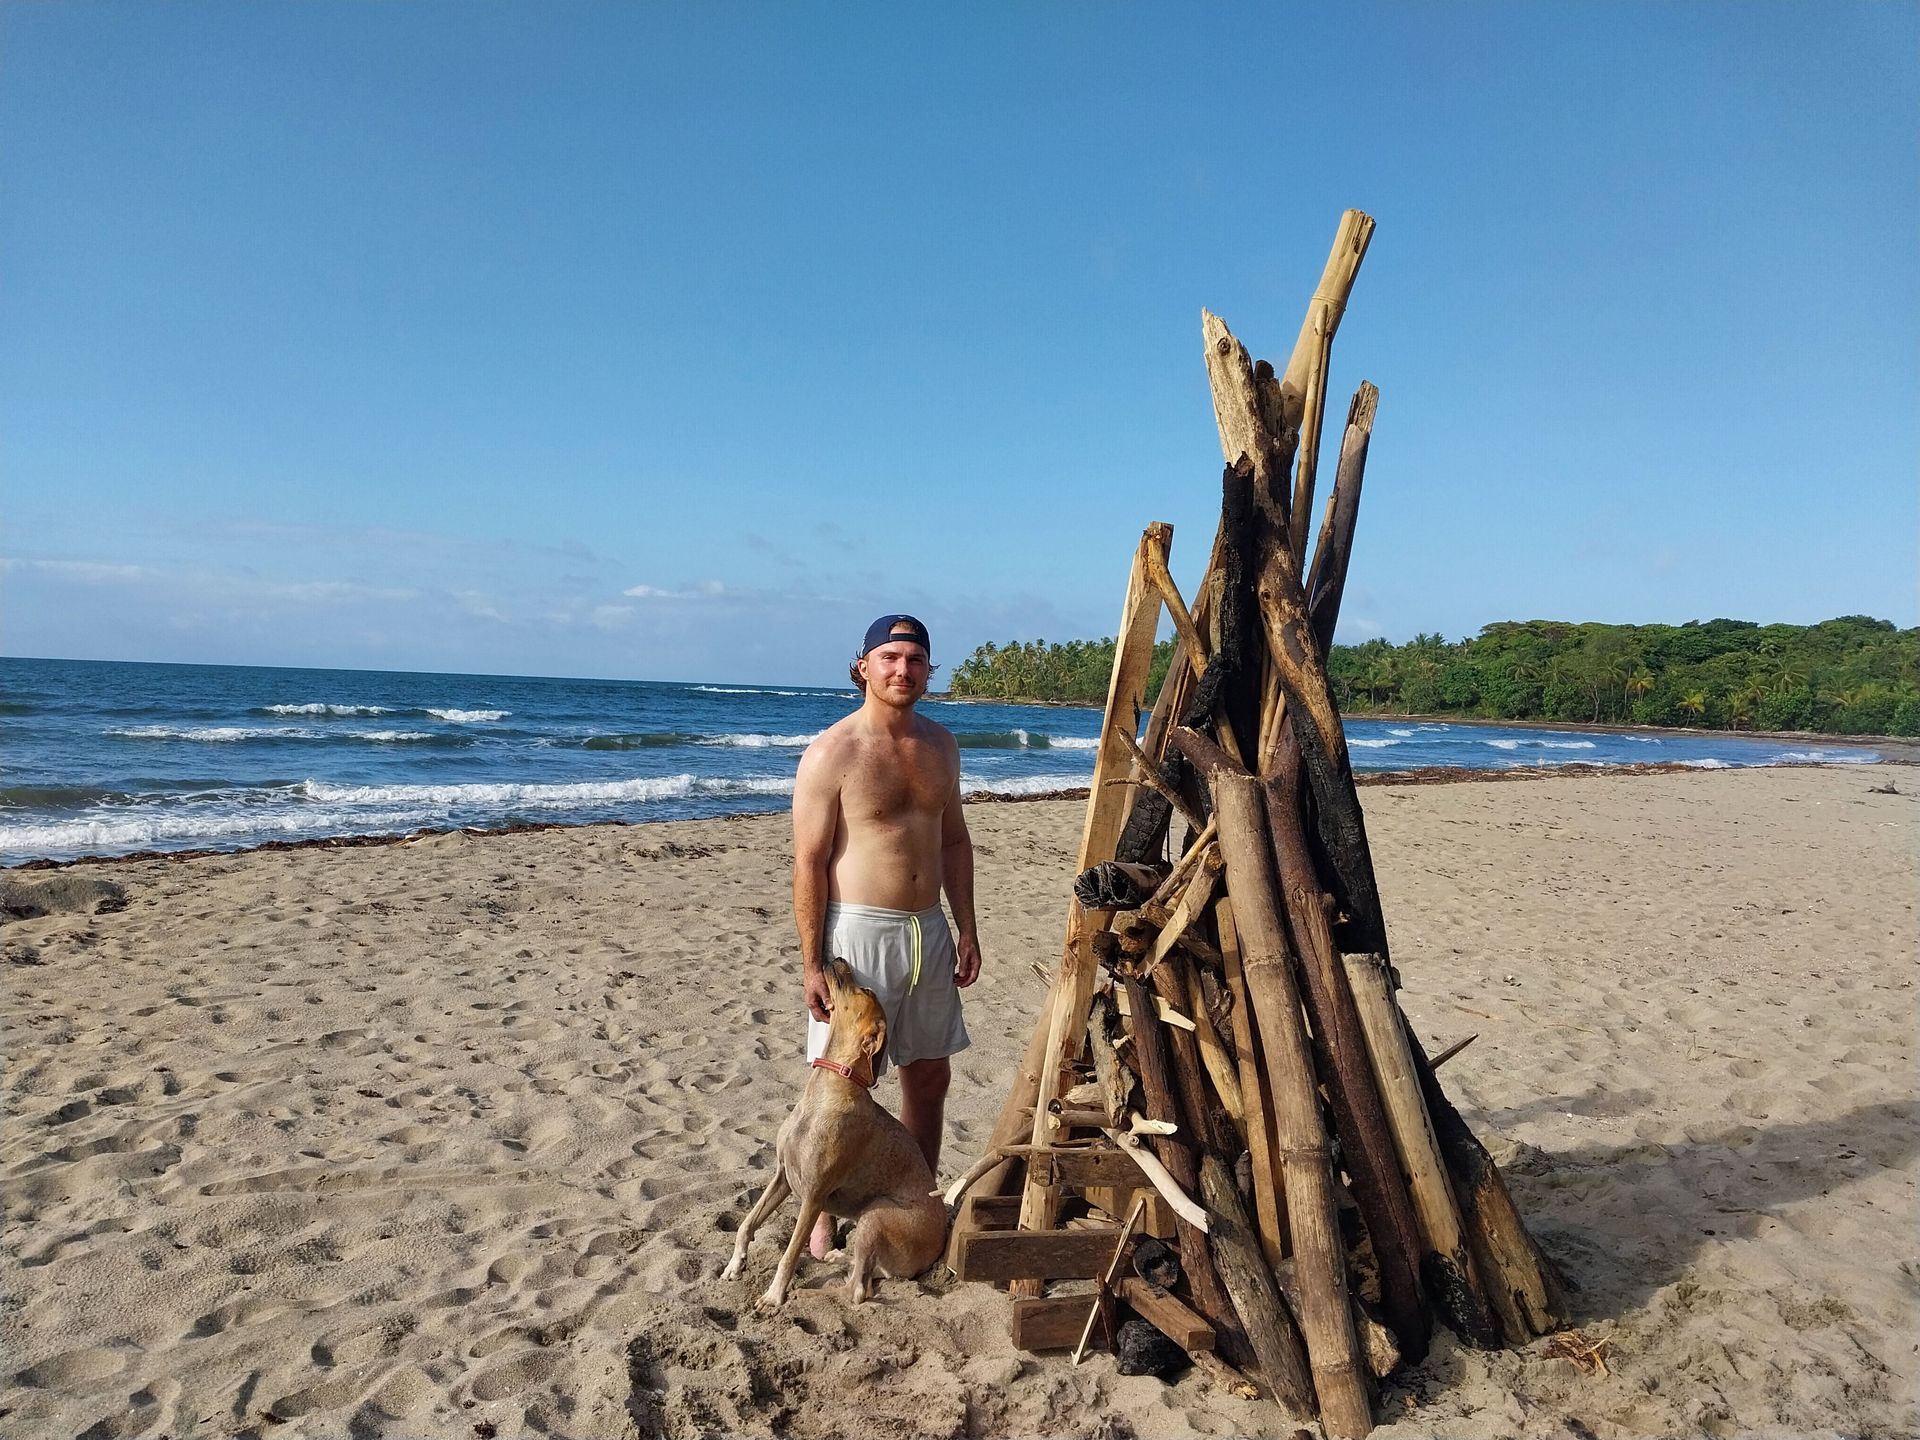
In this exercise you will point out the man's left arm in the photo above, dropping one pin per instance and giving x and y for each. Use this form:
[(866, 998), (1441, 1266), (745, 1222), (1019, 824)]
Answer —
[(956, 877)]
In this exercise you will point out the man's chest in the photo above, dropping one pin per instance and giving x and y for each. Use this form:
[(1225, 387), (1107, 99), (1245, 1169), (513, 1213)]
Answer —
[(896, 783)]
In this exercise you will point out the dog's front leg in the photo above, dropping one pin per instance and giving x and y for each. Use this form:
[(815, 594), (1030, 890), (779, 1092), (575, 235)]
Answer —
[(770, 1198), (776, 1294)]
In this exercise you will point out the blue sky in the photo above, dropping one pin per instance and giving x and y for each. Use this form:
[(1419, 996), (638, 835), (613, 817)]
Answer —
[(676, 342)]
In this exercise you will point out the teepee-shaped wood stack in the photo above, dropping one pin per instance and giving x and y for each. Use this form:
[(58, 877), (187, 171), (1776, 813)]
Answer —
[(1221, 1056)]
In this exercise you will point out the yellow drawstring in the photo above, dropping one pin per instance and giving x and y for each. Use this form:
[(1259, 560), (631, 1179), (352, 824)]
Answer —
[(914, 979)]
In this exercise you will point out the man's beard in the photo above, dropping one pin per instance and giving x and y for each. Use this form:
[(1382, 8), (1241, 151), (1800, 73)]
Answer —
[(898, 699)]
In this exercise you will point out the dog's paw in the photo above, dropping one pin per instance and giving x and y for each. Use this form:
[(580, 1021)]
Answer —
[(734, 1267), (770, 1301)]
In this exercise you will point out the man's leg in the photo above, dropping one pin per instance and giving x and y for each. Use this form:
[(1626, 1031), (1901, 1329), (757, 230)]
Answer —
[(923, 1105)]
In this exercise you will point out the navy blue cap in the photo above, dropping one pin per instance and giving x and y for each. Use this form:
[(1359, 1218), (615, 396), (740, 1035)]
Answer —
[(896, 627)]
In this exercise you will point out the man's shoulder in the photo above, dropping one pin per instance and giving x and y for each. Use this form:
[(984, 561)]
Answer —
[(936, 733), (833, 741)]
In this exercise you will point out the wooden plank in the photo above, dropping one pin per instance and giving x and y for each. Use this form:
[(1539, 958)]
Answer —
[(1126, 690), (1166, 1313), (1000, 1255), (1054, 1322), (1106, 815), (1088, 1167), (991, 1212)]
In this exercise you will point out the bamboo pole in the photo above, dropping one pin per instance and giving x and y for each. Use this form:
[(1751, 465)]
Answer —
[(1313, 418), (1325, 309), (1520, 1279), (1449, 1269), (1193, 901), (1305, 1155), (1339, 1046), (1331, 552), (1315, 725), (1221, 1066), (1275, 1338), (1257, 1108)]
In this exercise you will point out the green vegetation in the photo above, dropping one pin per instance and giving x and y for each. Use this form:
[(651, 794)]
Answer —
[(1075, 673), (1851, 676)]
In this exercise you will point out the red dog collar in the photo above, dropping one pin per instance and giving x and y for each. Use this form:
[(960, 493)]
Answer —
[(847, 1070)]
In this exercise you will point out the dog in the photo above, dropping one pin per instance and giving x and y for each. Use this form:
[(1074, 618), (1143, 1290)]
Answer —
[(842, 1153)]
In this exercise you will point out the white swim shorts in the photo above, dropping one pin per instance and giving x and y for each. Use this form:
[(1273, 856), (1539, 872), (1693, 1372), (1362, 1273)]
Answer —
[(906, 959)]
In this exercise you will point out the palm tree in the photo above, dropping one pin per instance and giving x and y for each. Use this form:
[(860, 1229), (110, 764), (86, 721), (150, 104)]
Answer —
[(1694, 704), (1638, 682)]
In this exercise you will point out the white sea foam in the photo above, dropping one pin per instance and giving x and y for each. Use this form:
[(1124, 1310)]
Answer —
[(1022, 784), (1390, 731), (213, 734), (468, 717), (1371, 744), (324, 709), (1542, 744), (1709, 763), (759, 742), (163, 827), (393, 735), (553, 796), (1073, 742), (738, 690), (1828, 757)]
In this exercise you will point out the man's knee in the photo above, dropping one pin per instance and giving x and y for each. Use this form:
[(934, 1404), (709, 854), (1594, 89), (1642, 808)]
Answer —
[(925, 1082)]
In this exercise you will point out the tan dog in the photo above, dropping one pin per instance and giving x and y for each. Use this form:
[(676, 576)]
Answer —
[(842, 1153)]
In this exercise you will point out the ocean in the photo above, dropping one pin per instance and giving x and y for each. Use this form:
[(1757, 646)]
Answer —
[(104, 758)]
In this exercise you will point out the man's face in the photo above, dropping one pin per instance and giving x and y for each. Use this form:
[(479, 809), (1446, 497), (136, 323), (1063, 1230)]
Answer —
[(897, 672)]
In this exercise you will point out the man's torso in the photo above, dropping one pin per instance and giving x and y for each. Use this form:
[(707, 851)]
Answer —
[(893, 793)]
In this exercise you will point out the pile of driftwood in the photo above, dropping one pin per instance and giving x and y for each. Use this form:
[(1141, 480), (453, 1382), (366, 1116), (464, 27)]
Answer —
[(1222, 1063)]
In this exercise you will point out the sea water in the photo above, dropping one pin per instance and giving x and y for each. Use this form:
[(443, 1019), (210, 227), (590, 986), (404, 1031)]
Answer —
[(101, 758)]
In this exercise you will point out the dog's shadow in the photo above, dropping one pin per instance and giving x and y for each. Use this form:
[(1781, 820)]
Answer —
[(1624, 1221)]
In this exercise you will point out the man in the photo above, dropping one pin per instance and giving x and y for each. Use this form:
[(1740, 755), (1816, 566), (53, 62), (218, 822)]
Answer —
[(877, 835)]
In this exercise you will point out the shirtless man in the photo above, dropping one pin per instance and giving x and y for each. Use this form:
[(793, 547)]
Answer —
[(877, 835)]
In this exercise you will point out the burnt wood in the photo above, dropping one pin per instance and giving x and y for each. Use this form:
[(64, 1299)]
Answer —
[(1149, 1055)]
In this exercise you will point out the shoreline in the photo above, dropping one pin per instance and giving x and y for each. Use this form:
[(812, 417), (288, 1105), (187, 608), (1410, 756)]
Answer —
[(1909, 743), (1419, 775)]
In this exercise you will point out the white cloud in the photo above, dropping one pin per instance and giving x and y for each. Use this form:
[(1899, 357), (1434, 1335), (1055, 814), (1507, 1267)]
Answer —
[(91, 572), (700, 590)]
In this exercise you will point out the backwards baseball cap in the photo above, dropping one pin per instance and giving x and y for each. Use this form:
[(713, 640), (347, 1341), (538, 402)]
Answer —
[(896, 627)]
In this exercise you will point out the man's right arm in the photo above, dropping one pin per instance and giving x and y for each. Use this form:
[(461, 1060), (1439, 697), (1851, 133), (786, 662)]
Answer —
[(816, 811)]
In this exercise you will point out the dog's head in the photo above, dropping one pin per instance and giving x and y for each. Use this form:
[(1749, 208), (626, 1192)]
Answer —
[(856, 1011)]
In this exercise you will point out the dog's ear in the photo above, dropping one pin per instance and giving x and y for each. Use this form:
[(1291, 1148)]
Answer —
[(875, 1040)]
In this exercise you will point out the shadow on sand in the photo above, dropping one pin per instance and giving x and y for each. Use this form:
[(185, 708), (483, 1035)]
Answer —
[(1624, 1221)]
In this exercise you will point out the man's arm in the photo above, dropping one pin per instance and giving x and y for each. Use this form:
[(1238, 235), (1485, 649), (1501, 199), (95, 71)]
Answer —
[(956, 877), (816, 812)]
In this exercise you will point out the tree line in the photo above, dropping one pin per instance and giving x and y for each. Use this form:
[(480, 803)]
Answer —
[(1851, 676)]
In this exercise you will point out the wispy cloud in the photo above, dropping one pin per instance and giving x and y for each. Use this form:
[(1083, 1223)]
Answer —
[(701, 590), (86, 572)]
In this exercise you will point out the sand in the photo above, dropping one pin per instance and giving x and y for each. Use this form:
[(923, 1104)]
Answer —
[(448, 1138)]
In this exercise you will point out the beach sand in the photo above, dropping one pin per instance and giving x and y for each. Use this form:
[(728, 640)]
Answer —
[(449, 1138)]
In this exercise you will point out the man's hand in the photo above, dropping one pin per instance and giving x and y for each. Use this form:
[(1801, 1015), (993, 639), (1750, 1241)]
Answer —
[(966, 953), (820, 999)]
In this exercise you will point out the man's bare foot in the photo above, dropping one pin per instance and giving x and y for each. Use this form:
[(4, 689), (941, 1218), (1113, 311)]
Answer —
[(821, 1244)]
